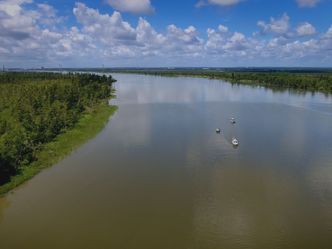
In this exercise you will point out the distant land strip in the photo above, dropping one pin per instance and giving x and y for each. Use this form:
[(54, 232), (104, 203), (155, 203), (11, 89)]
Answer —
[(302, 80)]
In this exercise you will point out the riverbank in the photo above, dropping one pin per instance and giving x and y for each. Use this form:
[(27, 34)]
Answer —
[(87, 127), (279, 80)]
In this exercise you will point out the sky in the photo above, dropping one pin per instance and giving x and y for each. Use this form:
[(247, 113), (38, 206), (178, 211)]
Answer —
[(166, 33)]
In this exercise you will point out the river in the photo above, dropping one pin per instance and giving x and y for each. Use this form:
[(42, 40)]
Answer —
[(159, 177)]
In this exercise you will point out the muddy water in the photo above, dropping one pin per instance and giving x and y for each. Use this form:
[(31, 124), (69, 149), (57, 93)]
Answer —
[(159, 177)]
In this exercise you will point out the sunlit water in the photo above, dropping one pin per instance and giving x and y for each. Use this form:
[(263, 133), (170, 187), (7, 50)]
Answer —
[(159, 177)]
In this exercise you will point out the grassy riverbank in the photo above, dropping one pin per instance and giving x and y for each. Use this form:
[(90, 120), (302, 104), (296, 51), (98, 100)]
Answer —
[(90, 123), (41, 117)]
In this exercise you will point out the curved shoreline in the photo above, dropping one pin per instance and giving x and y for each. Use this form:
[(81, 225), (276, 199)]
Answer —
[(88, 126), (302, 82)]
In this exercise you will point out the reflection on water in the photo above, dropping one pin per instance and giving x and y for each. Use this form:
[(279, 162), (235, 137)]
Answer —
[(191, 90), (158, 175)]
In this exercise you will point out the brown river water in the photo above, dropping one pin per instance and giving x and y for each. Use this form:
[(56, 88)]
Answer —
[(159, 177)]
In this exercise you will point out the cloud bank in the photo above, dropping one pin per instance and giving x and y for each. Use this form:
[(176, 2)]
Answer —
[(32, 35), (133, 6), (307, 3), (218, 2)]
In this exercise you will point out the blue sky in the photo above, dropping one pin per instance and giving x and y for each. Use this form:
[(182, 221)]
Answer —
[(223, 33)]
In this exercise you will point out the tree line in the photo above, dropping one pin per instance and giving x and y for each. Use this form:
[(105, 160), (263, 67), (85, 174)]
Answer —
[(36, 107), (303, 81)]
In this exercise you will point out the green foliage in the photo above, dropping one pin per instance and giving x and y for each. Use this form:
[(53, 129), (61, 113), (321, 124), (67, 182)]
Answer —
[(36, 107), (303, 81), (89, 124)]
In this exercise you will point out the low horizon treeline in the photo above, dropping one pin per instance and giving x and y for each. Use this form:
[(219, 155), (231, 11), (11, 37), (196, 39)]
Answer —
[(320, 82), (36, 107)]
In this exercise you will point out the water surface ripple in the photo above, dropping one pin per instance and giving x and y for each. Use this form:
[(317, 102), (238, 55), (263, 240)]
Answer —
[(159, 177)]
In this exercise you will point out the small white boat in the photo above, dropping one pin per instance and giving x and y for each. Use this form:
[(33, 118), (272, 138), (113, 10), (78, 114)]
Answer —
[(235, 142), (218, 130), (233, 120)]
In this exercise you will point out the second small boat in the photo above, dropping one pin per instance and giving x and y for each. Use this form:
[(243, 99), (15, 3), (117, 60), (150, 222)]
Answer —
[(235, 142)]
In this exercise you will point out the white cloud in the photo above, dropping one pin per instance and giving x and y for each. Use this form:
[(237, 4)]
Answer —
[(305, 29), (12, 7), (279, 26), (329, 32), (133, 6), (222, 28), (48, 15), (225, 44), (120, 38), (15, 22), (47, 9), (107, 29), (224, 2), (217, 2), (182, 42), (215, 40), (146, 34), (307, 3), (148, 39), (99, 38), (28, 33)]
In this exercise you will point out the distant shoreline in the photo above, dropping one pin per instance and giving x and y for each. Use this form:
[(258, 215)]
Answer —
[(301, 81), (165, 69)]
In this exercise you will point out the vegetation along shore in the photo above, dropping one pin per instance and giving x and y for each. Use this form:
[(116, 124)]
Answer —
[(44, 116), (302, 80)]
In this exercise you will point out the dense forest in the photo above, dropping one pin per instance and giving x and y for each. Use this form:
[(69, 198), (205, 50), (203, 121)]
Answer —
[(300, 80), (36, 107)]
